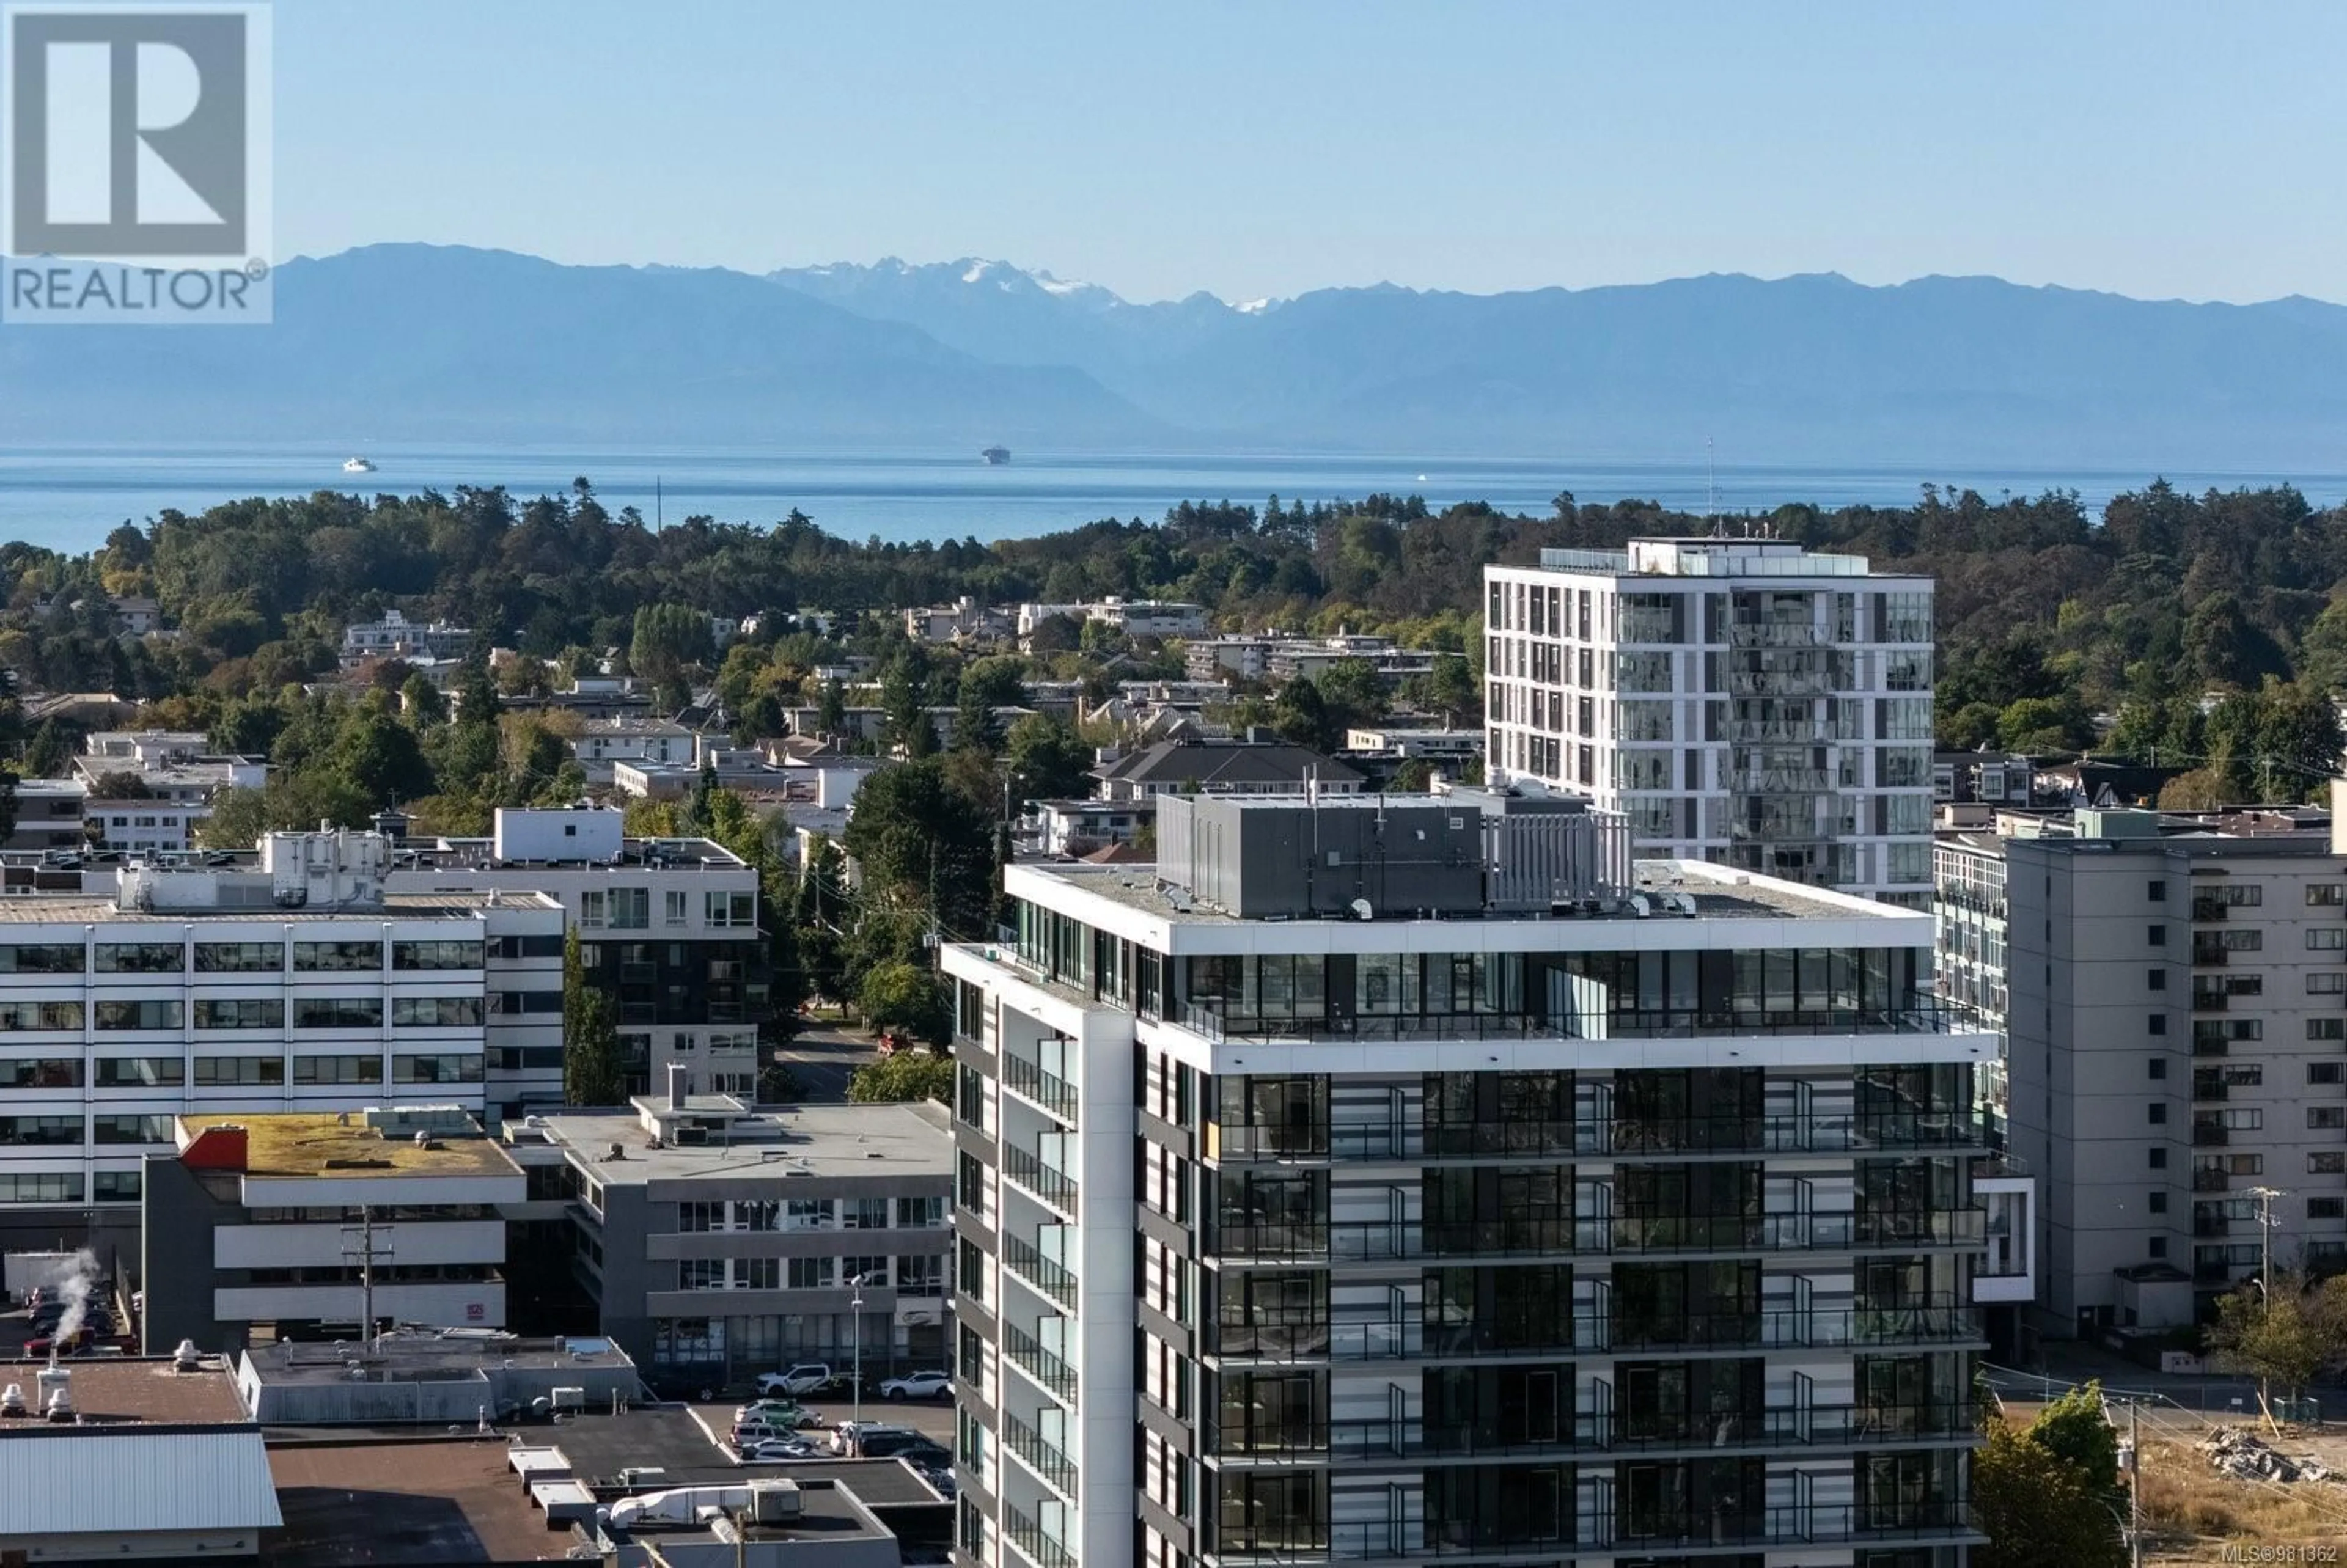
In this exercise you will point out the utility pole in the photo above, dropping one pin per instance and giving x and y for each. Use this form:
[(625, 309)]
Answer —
[(2135, 1482), (359, 1243)]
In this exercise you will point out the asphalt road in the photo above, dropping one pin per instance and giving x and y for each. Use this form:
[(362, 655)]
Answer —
[(822, 1058)]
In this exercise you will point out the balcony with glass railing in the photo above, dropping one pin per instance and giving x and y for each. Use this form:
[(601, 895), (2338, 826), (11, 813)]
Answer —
[(1955, 1129), (1379, 1241), (1038, 1272), (1046, 1366), (1244, 1443), (1382, 1338), (1217, 1021), (1647, 1237), (1935, 1321), (1626, 1528), (1025, 1169), (1046, 1091), (1038, 1545), (1050, 1463)]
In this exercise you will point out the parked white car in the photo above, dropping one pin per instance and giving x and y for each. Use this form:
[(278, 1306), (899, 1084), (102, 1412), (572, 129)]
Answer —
[(776, 1449), (918, 1386), (806, 1377)]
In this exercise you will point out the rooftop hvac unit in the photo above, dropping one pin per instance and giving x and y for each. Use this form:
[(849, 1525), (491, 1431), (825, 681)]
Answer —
[(775, 1502)]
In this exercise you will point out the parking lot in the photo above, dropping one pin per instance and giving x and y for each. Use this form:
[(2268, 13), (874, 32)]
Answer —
[(931, 1418)]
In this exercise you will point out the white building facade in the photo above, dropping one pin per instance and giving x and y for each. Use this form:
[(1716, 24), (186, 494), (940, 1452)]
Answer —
[(1478, 1231), (1742, 702), (301, 986)]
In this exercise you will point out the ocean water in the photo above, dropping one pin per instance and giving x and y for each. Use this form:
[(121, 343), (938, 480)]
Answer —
[(68, 500)]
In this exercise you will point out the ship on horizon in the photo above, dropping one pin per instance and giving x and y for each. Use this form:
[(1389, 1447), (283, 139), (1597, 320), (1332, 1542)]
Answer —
[(996, 456)]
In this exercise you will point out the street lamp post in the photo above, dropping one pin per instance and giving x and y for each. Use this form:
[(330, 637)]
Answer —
[(2265, 1197), (855, 1339)]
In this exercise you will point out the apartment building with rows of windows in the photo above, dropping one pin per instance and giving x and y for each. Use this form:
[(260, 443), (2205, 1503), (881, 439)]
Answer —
[(719, 1241), (299, 985), (1476, 1194), (2177, 1012), (668, 928), (1743, 701)]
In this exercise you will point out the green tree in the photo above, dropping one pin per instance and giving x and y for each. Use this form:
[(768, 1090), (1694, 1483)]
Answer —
[(50, 752), (923, 846), (1970, 728), (819, 908), (2284, 1338), (903, 1075), (669, 638), (1301, 716), (904, 996), (117, 784), (379, 756), (1046, 759), (1450, 690), (592, 1070), (2036, 724), (249, 726), (2036, 1508), (976, 729), (2296, 740), (904, 701), (2074, 1428), (239, 817), (831, 711), (420, 702), (1352, 693)]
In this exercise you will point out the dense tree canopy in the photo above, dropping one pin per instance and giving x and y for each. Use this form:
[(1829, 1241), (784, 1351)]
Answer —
[(2207, 632)]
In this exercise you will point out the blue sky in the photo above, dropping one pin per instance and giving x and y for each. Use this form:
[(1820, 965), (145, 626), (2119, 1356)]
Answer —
[(1264, 149)]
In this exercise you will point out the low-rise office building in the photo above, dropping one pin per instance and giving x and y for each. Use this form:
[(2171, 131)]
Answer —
[(668, 928), (142, 824), (178, 765), (49, 816), (296, 1221), (298, 984), (721, 1241)]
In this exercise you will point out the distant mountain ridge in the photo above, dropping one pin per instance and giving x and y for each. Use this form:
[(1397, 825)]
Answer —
[(1811, 368), (432, 343)]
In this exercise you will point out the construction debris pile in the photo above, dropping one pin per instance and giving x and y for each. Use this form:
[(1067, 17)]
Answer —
[(2238, 1451)]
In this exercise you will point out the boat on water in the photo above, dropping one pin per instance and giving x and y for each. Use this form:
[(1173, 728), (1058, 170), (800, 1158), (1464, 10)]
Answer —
[(358, 465), (996, 456)]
